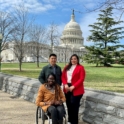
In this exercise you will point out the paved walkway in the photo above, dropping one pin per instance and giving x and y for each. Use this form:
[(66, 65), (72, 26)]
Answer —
[(16, 111)]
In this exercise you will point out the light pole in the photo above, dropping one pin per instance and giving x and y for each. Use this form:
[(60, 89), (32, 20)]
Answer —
[(0, 49), (72, 49), (53, 49)]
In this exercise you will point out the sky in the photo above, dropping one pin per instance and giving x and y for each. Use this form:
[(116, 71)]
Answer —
[(59, 12)]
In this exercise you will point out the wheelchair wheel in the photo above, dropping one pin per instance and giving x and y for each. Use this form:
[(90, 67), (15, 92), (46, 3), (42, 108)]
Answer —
[(39, 119), (42, 117)]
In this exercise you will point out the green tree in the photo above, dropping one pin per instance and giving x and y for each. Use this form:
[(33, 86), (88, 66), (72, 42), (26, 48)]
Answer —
[(105, 34), (121, 56)]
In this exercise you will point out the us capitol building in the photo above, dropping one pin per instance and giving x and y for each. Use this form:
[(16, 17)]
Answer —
[(71, 42)]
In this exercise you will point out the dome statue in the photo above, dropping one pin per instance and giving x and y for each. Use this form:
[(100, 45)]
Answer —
[(72, 34)]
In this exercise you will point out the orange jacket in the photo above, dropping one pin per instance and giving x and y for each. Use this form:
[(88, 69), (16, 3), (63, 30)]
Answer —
[(44, 95), (77, 80)]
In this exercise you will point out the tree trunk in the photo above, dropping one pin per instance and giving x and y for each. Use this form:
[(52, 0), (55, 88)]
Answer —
[(38, 62), (20, 66), (97, 64), (107, 65)]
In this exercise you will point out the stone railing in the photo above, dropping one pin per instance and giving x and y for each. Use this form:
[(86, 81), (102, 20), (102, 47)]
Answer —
[(102, 107), (18, 86), (97, 107)]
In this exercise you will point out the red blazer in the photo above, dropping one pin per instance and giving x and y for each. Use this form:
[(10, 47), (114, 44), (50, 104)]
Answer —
[(77, 80)]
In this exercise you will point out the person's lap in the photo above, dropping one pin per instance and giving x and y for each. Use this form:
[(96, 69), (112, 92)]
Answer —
[(56, 112)]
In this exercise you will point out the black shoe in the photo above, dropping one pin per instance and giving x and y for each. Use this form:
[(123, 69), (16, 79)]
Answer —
[(60, 122)]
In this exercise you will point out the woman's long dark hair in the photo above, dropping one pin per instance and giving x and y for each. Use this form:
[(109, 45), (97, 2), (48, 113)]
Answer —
[(57, 88), (70, 64)]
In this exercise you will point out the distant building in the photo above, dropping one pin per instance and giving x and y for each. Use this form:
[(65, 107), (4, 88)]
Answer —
[(71, 42)]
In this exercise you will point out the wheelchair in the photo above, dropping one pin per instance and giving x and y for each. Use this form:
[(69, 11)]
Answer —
[(42, 116)]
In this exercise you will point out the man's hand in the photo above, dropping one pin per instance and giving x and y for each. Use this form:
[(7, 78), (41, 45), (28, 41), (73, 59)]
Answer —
[(67, 88), (71, 88)]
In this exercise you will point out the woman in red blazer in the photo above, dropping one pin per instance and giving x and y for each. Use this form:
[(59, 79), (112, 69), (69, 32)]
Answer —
[(73, 76)]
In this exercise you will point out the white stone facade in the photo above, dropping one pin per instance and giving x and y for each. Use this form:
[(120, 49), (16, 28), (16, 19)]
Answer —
[(71, 42)]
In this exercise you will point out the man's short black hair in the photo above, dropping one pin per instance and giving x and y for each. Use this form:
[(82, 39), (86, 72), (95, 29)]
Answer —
[(53, 55)]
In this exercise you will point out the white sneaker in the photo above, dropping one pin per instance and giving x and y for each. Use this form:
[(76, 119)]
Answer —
[(69, 123)]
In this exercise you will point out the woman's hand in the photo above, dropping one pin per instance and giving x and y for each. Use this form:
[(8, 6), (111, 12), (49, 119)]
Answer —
[(49, 103), (67, 88), (71, 88), (52, 102), (58, 102)]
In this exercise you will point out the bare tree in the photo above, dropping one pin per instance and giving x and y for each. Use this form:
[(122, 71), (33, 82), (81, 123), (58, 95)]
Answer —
[(53, 35), (6, 29), (38, 39), (116, 4), (22, 23)]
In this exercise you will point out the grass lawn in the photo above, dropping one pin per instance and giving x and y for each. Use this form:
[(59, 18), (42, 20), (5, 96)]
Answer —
[(102, 78)]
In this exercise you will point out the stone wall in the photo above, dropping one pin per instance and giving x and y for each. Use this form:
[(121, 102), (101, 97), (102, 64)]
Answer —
[(18, 86), (102, 107), (97, 107)]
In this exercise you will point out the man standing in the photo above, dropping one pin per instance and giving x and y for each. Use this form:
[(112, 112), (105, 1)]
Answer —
[(51, 68)]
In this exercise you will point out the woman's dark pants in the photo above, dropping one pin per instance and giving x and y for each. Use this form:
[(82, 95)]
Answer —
[(73, 104), (57, 113)]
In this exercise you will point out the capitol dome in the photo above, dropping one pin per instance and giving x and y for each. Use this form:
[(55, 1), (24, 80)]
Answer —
[(72, 24), (72, 34)]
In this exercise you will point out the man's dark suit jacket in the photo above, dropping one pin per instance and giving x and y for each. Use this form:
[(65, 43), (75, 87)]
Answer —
[(47, 70)]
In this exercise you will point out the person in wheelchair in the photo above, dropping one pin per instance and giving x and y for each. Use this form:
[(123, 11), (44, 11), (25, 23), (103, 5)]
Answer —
[(50, 98)]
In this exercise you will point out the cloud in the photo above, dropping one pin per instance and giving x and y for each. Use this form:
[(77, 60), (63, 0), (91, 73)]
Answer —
[(90, 5), (52, 1), (39, 6), (34, 6)]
